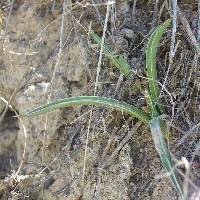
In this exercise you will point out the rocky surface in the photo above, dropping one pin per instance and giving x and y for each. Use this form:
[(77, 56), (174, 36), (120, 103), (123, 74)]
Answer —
[(45, 56)]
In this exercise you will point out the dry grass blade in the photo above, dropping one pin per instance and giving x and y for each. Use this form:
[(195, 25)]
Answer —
[(188, 30)]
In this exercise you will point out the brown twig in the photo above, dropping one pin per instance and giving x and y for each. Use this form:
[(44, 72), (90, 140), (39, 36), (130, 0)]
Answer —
[(7, 105), (174, 28)]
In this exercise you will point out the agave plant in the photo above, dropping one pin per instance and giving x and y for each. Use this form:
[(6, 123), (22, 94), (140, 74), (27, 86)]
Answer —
[(153, 120)]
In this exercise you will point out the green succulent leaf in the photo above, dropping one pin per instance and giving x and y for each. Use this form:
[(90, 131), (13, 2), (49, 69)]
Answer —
[(92, 100), (158, 130), (118, 61), (151, 52)]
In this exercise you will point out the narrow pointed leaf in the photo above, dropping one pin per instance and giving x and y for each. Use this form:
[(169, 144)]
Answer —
[(92, 100), (158, 130), (151, 52), (118, 61)]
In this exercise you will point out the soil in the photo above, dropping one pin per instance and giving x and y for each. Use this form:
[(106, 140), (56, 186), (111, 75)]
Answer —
[(47, 55)]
